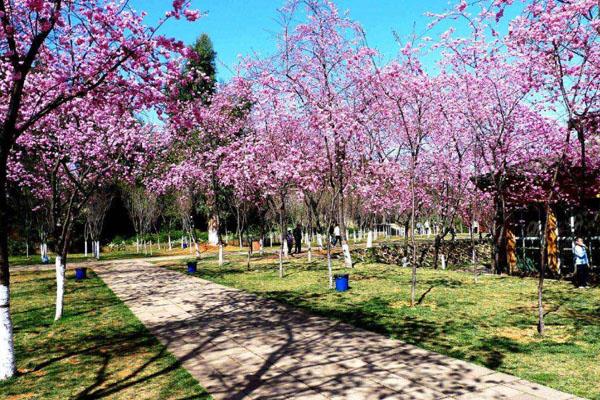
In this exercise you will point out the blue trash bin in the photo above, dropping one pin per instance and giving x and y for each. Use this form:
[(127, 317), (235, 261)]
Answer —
[(342, 282), (192, 267), (80, 273)]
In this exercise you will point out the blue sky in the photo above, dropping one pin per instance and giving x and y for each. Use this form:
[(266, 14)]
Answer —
[(244, 27)]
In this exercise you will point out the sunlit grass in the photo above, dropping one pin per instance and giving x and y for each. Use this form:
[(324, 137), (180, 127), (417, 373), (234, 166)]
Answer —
[(491, 322), (98, 350)]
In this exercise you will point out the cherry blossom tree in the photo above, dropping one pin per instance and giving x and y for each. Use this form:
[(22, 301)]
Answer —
[(407, 102), (67, 158), (277, 158), (54, 52), (202, 133), (322, 61), (519, 88), (560, 41)]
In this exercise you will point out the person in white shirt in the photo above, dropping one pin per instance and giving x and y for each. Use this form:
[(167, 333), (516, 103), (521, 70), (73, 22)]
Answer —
[(337, 236), (581, 261)]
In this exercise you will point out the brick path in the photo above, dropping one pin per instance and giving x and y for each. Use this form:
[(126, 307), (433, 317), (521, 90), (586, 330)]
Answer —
[(239, 346)]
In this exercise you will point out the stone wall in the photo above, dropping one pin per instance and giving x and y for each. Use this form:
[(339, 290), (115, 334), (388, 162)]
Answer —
[(457, 253)]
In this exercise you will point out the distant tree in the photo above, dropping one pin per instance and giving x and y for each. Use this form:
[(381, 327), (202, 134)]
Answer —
[(94, 213), (142, 206), (201, 65)]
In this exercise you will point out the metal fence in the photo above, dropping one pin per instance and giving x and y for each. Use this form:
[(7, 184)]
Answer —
[(529, 246)]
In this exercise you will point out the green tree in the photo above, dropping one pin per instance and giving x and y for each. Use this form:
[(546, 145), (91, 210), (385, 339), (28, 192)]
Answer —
[(203, 66)]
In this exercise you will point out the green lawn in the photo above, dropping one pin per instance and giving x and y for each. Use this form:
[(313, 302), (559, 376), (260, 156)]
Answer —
[(80, 257), (491, 322), (98, 350)]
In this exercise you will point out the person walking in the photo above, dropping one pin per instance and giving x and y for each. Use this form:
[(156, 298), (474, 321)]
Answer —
[(337, 236), (581, 262), (290, 240), (298, 239)]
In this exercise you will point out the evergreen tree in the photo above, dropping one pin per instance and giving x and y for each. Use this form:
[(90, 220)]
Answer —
[(204, 63)]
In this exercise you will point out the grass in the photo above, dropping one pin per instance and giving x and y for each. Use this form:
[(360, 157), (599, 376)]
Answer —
[(491, 322), (98, 350), (78, 258)]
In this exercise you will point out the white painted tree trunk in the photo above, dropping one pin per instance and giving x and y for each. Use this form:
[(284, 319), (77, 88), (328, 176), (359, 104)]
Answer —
[(7, 350), (443, 261), (354, 236), (182, 242), (85, 248), (27, 249), (329, 268), (150, 246), (170, 244), (347, 255), (309, 251), (97, 250), (60, 287), (197, 249), (281, 262), (43, 251), (320, 241), (370, 239), (158, 242), (221, 260), (285, 249), (137, 245), (261, 249), (270, 239)]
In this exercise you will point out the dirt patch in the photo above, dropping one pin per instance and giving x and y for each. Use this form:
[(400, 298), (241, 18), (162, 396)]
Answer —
[(556, 334)]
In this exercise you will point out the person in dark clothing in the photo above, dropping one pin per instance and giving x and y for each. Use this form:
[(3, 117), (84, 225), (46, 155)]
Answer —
[(298, 239), (290, 241)]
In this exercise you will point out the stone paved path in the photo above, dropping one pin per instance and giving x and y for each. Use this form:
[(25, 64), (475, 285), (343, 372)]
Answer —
[(239, 346)]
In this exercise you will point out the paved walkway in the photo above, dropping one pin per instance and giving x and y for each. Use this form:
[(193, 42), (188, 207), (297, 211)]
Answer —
[(239, 346)]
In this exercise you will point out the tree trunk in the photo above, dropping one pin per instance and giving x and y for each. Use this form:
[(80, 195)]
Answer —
[(221, 258), (7, 351), (343, 231), (413, 283), (329, 266), (249, 239), (284, 248), (436, 250), (60, 287), (473, 254)]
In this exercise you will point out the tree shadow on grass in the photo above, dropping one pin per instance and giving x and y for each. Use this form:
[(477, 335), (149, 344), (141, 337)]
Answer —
[(373, 315)]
